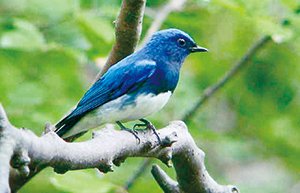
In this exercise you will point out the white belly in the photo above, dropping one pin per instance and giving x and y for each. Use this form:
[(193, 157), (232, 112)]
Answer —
[(115, 110), (142, 106)]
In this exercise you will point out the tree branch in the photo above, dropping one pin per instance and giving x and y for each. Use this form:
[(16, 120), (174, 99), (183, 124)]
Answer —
[(164, 181), (188, 161), (22, 150), (128, 32)]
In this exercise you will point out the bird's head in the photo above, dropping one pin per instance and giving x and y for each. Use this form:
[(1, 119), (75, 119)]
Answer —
[(173, 45)]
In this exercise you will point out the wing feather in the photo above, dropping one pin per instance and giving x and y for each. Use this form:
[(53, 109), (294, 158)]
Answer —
[(117, 81)]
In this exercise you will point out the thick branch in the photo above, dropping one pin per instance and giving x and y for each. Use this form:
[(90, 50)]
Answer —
[(188, 161), (22, 150), (128, 32)]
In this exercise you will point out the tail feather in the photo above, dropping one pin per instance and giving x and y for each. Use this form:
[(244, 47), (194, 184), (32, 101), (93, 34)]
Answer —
[(64, 125)]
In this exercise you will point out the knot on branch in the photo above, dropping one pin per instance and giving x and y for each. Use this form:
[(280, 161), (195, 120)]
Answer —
[(48, 128), (21, 161), (170, 139), (108, 167)]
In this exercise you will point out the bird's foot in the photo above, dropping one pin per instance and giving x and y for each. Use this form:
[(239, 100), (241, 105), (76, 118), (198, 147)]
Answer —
[(133, 131), (148, 125)]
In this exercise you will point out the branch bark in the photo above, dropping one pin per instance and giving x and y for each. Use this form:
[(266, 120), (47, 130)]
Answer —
[(128, 32), (188, 161), (22, 150)]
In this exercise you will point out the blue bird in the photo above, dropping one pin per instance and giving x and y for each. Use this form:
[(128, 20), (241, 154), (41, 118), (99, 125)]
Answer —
[(137, 86)]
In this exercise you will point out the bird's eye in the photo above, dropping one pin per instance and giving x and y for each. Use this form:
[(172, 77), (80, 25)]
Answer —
[(181, 42)]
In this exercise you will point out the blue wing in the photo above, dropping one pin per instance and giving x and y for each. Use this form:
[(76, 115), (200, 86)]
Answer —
[(120, 79)]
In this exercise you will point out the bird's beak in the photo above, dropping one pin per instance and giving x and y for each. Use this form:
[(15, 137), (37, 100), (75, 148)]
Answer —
[(198, 49)]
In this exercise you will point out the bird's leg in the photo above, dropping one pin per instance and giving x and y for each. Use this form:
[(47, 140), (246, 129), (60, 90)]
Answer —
[(148, 125), (134, 132)]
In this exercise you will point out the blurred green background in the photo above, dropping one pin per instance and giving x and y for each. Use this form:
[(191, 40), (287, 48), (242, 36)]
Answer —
[(50, 51)]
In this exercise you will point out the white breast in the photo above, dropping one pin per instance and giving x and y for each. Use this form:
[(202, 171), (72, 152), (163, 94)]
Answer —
[(145, 105), (142, 106)]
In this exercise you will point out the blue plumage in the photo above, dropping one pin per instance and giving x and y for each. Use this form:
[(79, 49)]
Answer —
[(149, 75)]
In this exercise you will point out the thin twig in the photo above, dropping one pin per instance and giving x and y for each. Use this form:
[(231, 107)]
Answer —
[(138, 173), (166, 183)]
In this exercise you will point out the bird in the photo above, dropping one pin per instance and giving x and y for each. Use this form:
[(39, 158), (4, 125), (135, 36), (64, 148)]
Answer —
[(135, 87)]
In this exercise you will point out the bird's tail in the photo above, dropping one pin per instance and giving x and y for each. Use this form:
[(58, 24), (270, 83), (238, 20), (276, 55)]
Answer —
[(65, 124)]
